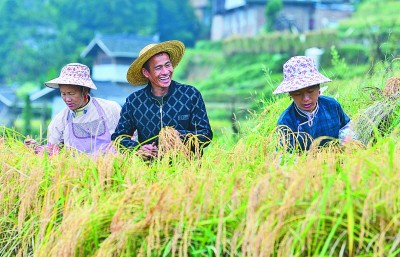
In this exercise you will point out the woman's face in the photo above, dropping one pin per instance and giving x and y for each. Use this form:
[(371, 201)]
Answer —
[(73, 96), (306, 98)]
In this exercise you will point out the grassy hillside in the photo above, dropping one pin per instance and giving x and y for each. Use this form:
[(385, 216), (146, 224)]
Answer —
[(244, 197), (240, 199)]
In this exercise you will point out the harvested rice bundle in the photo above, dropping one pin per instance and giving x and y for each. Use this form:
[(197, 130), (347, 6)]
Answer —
[(376, 120), (172, 143), (392, 88)]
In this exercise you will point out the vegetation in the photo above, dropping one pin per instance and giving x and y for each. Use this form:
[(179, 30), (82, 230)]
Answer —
[(39, 37), (244, 197), (272, 8)]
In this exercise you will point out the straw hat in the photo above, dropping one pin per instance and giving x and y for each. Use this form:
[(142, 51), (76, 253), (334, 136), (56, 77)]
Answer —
[(73, 74), (300, 72), (174, 48)]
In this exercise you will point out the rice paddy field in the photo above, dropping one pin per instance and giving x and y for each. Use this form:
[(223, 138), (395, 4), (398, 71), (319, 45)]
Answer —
[(244, 197)]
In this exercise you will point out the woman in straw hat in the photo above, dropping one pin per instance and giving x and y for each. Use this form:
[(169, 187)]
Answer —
[(311, 115), (162, 103), (86, 123)]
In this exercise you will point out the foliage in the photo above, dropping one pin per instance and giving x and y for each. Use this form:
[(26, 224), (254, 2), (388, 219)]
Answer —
[(376, 23), (177, 20), (39, 37), (284, 43), (337, 202), (272, 8), (339, 65), (354, 53), (27, 115)]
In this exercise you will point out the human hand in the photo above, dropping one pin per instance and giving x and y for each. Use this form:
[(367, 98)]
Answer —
[(346, 140), (31, 143), (148, 151)]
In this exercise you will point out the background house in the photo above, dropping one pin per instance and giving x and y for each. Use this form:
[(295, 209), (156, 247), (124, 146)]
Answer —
[(202, 9), (10, 106), (111, 56), (247, 17)]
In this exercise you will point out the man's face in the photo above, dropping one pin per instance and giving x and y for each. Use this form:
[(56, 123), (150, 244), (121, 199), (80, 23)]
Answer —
[(306, 98), (160, 70), (72, 95)]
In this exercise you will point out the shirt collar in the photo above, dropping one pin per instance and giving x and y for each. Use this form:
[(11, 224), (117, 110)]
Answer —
[(81, 111)]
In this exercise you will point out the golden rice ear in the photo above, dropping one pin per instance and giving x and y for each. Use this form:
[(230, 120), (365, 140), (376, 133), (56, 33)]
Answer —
[(392, 88), (170, 143)]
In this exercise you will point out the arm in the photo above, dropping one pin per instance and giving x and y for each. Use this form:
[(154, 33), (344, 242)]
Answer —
[(199, 123), (55, 138), (346, 132)]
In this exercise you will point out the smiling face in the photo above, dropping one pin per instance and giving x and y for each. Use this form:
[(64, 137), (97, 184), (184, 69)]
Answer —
[(306, 98), (74, 96), (159, 72)]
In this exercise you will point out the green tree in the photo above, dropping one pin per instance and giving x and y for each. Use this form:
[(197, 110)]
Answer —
[(177, 20), (272, 8), (27, 115), (376, 24), (39, 37)]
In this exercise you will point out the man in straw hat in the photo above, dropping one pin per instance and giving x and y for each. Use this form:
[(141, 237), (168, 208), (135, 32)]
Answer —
[(86, 123), (310, 115), (162, 103)]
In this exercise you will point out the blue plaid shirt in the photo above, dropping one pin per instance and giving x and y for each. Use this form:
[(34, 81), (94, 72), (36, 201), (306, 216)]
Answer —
[(182, 108), (329, 119)]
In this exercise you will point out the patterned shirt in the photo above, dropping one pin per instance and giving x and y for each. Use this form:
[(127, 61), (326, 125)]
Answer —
[(328, 121), (182, 108), (58, 132)]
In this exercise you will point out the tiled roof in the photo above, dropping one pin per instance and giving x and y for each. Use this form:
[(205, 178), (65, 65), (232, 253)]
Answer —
[(121, 45), (113, 91), (8, 95), (105, 89), (46, 92)]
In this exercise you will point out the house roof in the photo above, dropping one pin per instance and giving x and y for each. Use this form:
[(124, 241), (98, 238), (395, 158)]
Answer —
[(8, 95), (121, 45), (45, 92), (115, 91)]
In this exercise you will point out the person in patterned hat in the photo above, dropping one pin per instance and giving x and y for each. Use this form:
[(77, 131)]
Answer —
[(162, 103), (86, 123), (310, 115)]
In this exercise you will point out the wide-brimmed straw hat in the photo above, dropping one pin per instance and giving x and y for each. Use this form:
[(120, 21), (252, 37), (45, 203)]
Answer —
[(73, 74), (300, 72), (174, 48)]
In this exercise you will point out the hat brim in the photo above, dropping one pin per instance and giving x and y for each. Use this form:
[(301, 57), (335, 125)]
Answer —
[(174, 48), (300, 82), (55, 83)]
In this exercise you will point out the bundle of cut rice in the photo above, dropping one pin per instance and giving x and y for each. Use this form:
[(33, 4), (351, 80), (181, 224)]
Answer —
[(376, 120)]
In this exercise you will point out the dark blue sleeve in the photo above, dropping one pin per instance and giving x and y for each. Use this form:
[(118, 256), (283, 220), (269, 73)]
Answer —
[(287, 127), (286, 132), (125, 128)]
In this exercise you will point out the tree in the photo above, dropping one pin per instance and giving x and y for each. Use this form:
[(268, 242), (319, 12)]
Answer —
[(38, 37), (177, 20), (27, 115), (376, 24), (272, 8)]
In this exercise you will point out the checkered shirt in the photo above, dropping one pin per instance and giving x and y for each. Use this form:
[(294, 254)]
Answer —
[(182, 108), (329, 120)]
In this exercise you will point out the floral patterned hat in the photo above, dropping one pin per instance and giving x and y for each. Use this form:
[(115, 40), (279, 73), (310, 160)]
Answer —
[(300, 72), (73, 74)]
